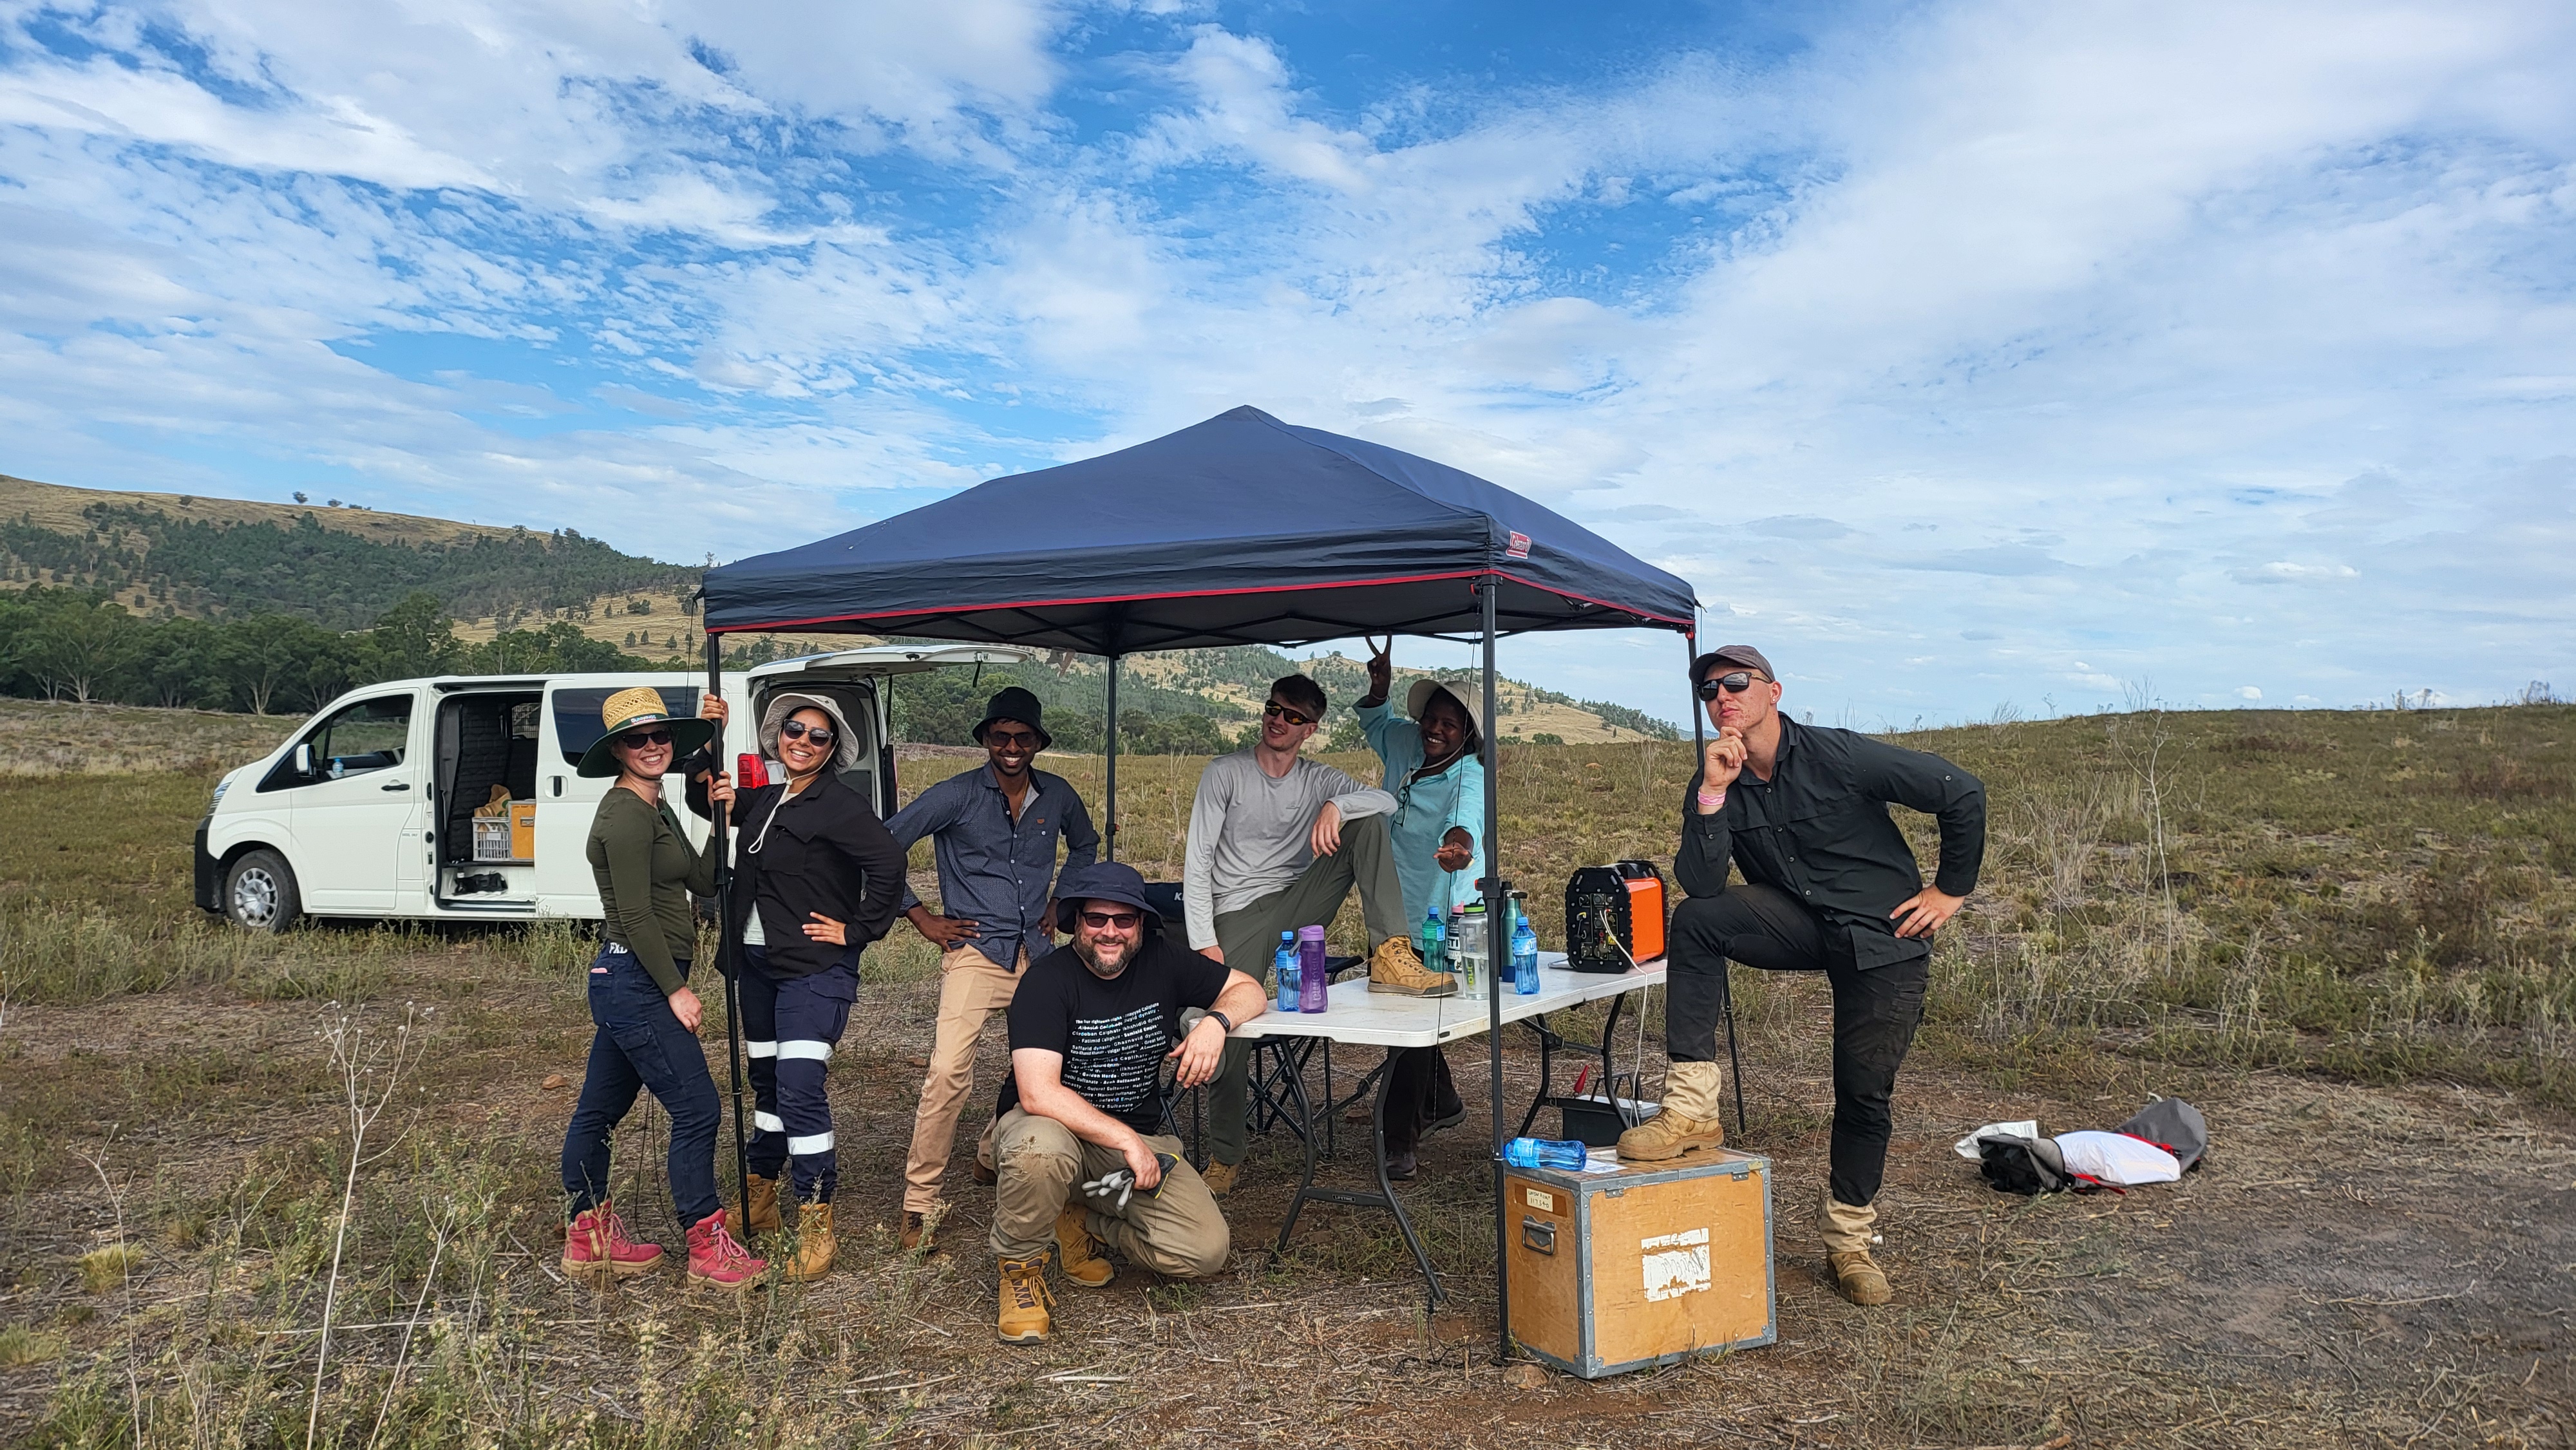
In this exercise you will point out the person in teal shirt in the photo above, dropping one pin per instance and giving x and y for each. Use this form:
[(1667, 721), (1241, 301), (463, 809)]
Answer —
[(1436, 771)]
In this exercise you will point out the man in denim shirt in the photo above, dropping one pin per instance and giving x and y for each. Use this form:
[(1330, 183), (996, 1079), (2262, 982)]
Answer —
[(994, 831)]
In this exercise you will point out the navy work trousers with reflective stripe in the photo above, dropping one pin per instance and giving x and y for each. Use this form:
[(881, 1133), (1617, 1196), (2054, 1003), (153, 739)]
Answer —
[(640, 1044), (790, 1026)]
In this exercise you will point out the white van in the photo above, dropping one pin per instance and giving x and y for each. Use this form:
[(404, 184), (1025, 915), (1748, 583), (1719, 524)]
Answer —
[(369, 810)]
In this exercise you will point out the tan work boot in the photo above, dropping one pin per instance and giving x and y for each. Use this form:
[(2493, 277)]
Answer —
[(1692, 1119), (1220, 1178), (916, 1232), (1394, 968), (1847, 1230), (1078, 1253), (815, 1245), (1024, 1302), (761, 1197)]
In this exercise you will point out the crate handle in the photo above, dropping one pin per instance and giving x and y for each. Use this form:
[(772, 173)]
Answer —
[(1538, 1236)]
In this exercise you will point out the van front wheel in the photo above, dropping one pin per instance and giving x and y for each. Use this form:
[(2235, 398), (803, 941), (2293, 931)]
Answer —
[(259, 892)]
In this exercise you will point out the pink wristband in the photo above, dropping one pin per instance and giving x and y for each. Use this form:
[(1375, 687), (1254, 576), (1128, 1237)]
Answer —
[(1708, 802)]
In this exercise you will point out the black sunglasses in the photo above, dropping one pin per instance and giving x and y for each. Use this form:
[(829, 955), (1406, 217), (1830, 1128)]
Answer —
[(818, 735), (638, 739), (1122, 920), (1734, 682), (1284, 713)]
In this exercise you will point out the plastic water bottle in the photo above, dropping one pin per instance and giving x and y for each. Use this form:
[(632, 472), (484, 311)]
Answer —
[(1283, 962), (1564, 1156), (1435, 943), (1469, 949), (1311, 996), (1524, 956)]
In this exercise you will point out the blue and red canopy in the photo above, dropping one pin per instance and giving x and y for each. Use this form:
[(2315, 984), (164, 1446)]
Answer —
[(1239, 530)]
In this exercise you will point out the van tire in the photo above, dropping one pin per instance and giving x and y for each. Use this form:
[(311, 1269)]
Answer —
[(259, 892)]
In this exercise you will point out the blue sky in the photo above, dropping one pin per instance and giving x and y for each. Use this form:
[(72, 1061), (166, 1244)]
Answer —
[(1959, 355)]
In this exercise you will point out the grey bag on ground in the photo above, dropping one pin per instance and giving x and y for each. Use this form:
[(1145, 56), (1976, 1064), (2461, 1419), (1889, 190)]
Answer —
[(2173, 1125)]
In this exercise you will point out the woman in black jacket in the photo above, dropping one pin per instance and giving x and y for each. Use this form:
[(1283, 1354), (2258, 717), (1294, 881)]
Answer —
[(816, 880)]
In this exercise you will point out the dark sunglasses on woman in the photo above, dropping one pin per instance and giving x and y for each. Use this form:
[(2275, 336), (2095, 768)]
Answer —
[(815, 735), (1734, 682), (638, 739)]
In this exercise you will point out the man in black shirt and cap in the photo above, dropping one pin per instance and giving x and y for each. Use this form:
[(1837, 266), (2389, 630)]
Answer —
[(1082, 1159), (1830, 886)]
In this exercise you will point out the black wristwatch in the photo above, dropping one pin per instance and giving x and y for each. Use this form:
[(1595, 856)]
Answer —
[(1221, 1017)]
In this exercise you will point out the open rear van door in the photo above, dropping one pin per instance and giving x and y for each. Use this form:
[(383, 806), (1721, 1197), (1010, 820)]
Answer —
[(861, 682)]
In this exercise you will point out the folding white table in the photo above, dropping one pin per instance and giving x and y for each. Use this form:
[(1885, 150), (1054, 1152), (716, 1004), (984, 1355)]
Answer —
[(1363, 1018)]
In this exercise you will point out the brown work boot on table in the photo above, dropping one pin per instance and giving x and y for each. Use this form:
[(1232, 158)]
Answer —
[(1077, 1253), (760, 1199), (815, 1245), (1394, 968), (1023, 1319), (1220, 1178), (1691, 1120)]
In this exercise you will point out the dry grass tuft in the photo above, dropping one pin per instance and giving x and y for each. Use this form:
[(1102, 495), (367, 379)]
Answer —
[(106, 1270)]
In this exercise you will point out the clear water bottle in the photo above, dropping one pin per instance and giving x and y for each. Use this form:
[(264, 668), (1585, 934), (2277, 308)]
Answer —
[(1524, 955), (1283, 963), (1467, 948), (1311, 996), (1564, 1156)]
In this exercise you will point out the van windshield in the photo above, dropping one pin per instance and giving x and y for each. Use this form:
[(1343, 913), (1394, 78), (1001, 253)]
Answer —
[(577, 726)]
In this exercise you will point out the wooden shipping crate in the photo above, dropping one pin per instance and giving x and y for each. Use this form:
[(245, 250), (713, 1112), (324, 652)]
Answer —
[(1648, 1265)]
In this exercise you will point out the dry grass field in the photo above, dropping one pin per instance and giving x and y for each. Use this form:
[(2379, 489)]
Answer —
[(2347, 936)]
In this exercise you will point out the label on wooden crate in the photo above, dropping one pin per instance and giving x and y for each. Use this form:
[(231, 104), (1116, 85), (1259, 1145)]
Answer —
[(1540, 1199), (1675, 1264)]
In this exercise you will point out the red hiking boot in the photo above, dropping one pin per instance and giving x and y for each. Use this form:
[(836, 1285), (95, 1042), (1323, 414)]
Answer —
[(718, 1261), (596, 1249)]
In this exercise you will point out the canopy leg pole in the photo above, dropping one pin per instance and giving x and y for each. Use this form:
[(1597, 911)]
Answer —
[(725, 963), (1109, 821), (1496, 948)]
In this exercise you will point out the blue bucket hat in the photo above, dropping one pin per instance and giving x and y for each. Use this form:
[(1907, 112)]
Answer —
[(1102, 881)]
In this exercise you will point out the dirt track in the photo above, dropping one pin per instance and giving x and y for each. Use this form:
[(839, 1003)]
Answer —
[(2353, 1266)]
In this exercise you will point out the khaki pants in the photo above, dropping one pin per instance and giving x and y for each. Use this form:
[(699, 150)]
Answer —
[(1249, 935), (972, 987), (1179, 1233)]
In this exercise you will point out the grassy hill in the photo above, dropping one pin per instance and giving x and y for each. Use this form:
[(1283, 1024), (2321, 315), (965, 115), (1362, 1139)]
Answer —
[(516, 599)]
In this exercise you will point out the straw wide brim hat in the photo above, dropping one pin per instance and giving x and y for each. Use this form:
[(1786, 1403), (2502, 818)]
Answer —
[(631, 710), (845, 745), (1420, 695)]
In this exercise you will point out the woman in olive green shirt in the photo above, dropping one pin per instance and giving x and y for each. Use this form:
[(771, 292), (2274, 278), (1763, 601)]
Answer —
[(646, 1015)]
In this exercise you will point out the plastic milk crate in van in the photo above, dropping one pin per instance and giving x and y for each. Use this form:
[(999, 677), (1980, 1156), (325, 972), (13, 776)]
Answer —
[(1652, 1263)]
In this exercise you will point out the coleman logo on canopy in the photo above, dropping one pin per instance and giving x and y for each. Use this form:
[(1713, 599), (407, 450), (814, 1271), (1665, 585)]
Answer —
[(1519, 548)]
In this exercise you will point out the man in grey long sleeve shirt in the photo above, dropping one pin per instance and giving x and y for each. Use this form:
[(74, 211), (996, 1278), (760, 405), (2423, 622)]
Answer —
[(1276, 842)]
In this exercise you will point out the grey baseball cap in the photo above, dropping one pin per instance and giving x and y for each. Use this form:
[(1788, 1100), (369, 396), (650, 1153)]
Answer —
[(1740, 656)]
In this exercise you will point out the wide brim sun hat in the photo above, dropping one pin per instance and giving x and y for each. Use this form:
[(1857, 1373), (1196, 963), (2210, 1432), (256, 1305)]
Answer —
[(1418, 698), (633, 709), (845, 741)]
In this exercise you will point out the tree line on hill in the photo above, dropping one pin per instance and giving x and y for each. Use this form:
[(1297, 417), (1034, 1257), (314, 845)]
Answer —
[(166, 568), (83, 645)]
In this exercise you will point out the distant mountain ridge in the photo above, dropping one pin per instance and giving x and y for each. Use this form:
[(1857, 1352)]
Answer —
[(167, 557)]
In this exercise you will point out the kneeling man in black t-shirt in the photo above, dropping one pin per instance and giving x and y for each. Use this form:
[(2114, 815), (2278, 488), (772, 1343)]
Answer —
[(1090, 1027)]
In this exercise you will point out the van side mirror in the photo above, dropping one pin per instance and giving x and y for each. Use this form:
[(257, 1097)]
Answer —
[(304, 759)]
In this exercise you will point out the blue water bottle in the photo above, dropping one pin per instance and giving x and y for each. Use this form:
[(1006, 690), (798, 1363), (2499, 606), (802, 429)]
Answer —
[(1284, 963), (1524, 956), (1565, 1157)]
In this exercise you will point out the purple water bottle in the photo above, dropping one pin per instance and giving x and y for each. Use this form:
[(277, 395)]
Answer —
[(1311, 996)]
